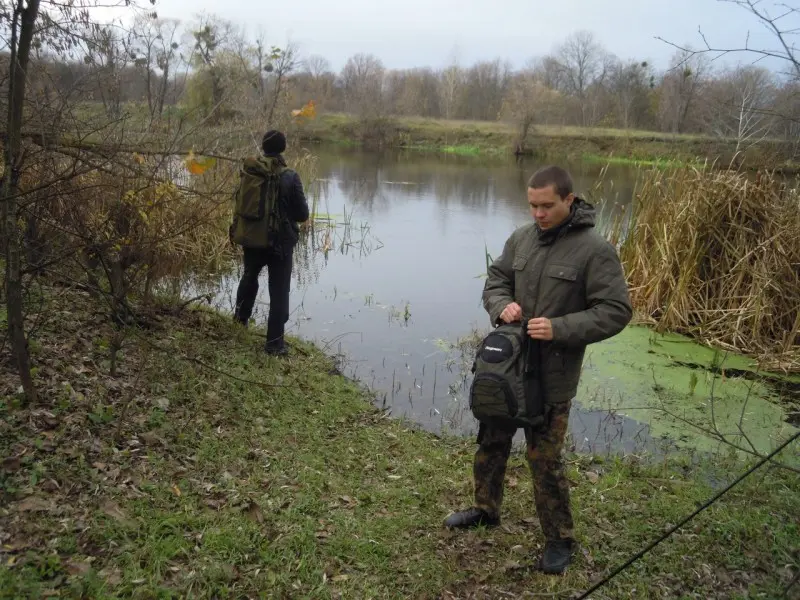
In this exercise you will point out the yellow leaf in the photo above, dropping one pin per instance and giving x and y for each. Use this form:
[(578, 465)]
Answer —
[(309, 111), (176, 490), (197, 165)]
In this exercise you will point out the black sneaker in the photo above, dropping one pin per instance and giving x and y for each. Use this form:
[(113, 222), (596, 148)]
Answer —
[(557, 556), (472, 517)]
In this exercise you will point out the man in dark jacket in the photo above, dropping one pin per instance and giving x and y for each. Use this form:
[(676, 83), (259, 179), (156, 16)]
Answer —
[(566, 280), (292, 209)]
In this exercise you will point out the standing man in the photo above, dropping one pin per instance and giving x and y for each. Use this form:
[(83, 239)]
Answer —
[(269, 204), (567, 280)]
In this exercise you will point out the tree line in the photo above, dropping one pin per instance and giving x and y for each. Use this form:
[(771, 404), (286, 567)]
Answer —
[(215, 69)]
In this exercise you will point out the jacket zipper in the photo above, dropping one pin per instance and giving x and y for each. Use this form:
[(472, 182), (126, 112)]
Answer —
[(535, 306)]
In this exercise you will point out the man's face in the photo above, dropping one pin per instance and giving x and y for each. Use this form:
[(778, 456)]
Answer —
[(547, 207)]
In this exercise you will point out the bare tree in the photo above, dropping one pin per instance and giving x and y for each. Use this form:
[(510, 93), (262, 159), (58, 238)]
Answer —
[(156, 49), (679, 90), (106, 49), (282, 63), (739, 104), (779, 18), (583, 63), (485, 86), (630, 83), (787, 106), (210, 36), (528, 102), (413, 92), (20, 36), (451, 80), (362, 80), (321, 80)]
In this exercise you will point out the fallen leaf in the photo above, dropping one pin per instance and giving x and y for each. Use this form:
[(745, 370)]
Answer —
[(394, 477), (10, 464), (150, 438), (592, 476), (176, 490), (78, 567), (33, 504), (112, 576), (513, 482), (348, 501), (115, 512), (512, 565), (341, 577), (253, 512)]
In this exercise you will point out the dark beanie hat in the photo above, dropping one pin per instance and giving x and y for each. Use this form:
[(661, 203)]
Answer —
[(273, 142)]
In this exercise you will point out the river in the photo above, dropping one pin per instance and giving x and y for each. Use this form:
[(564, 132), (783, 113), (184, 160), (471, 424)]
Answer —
[(394, 291)]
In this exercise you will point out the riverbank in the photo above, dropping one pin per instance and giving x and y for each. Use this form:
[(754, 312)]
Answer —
[(570, 143), (207, 469)]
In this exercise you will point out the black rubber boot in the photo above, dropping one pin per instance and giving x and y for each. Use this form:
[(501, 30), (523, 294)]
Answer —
[(557, 556), (472, 517), (277, 349)]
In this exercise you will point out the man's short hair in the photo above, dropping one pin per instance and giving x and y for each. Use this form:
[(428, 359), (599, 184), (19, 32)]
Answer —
[(552, 175)]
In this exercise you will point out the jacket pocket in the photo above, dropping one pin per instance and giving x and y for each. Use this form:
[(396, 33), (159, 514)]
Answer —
[(562, 272), (518, 265), (555, 361)]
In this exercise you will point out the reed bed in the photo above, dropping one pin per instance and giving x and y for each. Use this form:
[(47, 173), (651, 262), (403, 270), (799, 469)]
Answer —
[(716, 255)]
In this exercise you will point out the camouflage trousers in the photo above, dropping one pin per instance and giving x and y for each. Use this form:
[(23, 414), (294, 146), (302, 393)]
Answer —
[(550, 485)]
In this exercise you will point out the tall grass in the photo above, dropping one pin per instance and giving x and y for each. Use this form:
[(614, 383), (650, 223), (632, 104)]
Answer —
[(717, 255)]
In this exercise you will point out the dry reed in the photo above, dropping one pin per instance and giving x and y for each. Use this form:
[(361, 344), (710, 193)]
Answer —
[(716, 255)]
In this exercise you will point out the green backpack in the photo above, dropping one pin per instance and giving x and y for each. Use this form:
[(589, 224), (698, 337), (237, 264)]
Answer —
[(503, 391), (257, 212)]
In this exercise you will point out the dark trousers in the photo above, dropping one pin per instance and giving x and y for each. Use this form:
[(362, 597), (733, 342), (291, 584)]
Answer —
[(550, 485), (279, 278)]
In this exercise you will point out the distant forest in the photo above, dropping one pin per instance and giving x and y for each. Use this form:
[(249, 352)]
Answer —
[(212, 68)]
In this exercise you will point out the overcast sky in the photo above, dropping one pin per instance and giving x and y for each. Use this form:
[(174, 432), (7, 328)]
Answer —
[(411, 33)]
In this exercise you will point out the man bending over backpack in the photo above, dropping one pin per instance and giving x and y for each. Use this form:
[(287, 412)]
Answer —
[(269, 204), (567, 281)]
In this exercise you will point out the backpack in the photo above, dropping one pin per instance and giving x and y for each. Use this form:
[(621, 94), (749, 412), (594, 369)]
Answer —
[(504, 392), (257, 213)]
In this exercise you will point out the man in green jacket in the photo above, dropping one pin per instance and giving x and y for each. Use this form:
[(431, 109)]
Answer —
[(566, 280)]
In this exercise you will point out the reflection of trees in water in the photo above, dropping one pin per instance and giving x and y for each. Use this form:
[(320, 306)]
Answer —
[(372, 181), (326, 238), (308, 260)]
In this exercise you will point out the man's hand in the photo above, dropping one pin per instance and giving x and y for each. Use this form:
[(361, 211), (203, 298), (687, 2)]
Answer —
[(540, 329), (511, 313)]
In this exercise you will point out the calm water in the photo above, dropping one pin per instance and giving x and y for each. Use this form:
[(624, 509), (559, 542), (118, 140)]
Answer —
[(396, 295)]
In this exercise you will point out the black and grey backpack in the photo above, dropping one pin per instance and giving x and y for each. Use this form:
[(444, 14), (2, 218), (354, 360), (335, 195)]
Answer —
[(504, 391)]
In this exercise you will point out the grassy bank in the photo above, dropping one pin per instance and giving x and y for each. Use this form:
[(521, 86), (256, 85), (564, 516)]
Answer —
[(206, 469), (484, 137)]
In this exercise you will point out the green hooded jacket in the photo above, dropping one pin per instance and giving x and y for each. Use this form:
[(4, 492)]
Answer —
[(573, 277)]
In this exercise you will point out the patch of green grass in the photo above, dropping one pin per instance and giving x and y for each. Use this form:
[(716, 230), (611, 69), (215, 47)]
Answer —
[(659, 163), (268, 477), (462, 150)]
